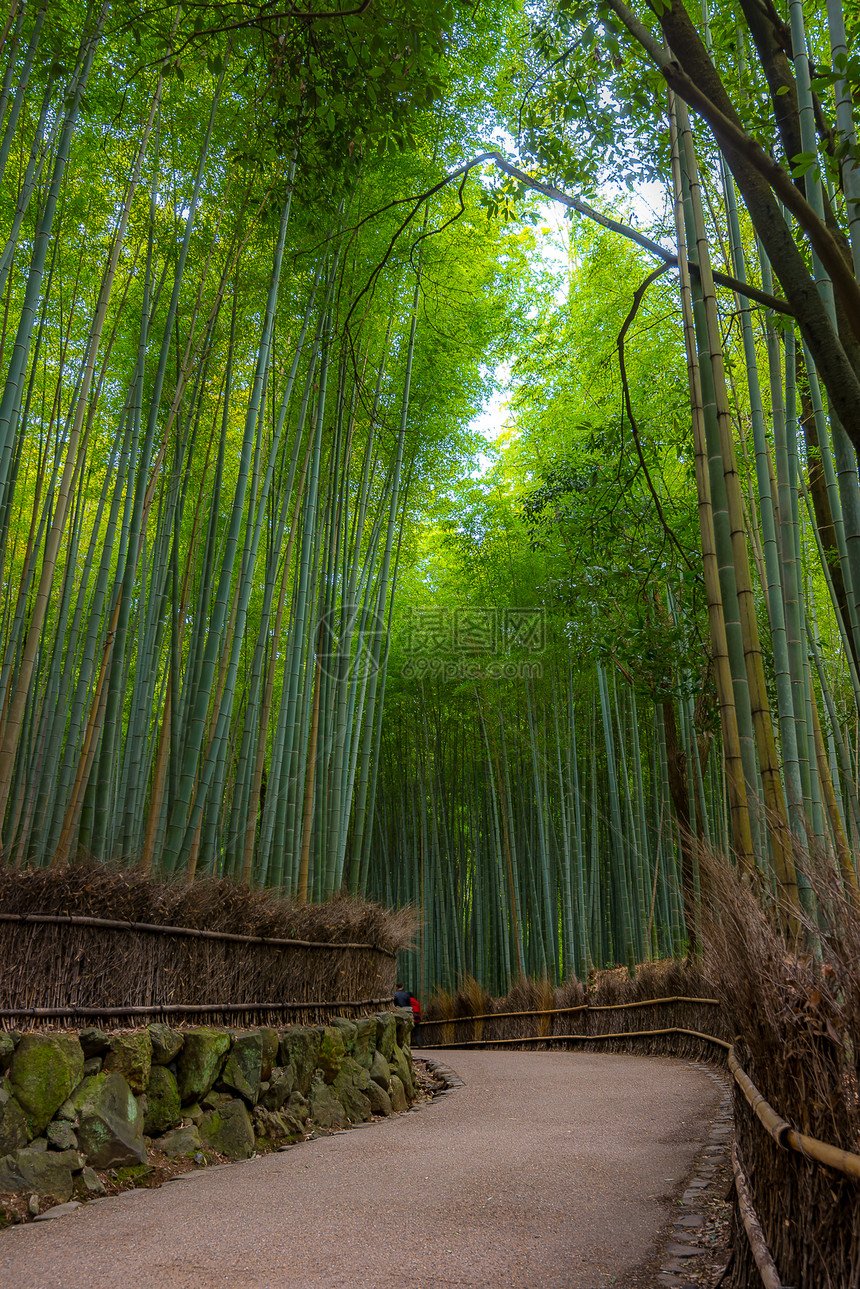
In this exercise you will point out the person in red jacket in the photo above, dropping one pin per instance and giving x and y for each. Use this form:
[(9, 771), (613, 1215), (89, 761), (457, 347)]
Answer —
[(416, 1016)]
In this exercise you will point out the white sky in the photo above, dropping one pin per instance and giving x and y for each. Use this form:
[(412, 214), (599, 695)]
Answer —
[(648, 209)]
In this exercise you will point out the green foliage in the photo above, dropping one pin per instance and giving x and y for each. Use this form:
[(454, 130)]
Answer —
[(272, 167), (242, 354)]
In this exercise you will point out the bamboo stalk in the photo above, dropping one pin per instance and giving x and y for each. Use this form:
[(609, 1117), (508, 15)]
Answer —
[(741, 828), (766, 1266)]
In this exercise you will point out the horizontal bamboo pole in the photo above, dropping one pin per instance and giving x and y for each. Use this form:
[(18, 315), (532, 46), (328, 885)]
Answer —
[(566, 1011), (173, 1009), (783, 1133), (649, 1002), (76, 919), (763, 1260), (586, 1038), (777, 1127)]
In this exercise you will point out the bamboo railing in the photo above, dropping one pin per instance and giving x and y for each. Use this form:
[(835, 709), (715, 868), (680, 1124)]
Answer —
[(112, 924), (565, 1011), (180, 1009)]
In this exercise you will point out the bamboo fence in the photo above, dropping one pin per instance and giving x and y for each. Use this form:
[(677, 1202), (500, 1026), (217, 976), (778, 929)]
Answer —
[(591, 1027), (56, 966)]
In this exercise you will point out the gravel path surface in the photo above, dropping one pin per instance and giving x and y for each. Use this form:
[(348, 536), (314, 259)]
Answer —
[(546, 1169)]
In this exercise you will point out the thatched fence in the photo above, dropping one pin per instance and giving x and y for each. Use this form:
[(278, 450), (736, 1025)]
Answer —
[(670, 1026), (65, 955), (668, 1009), (795, 1021)]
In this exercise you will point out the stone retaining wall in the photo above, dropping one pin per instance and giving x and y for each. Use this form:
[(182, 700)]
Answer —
[(76, 1102)]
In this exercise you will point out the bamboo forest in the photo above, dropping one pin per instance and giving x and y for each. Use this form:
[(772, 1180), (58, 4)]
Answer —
[(275, 606)]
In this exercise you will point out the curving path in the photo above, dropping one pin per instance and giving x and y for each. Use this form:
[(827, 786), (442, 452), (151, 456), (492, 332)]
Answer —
[(546, 1169)]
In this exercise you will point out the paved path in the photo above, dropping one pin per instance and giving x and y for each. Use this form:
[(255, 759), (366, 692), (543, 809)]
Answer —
[(545, 1170)]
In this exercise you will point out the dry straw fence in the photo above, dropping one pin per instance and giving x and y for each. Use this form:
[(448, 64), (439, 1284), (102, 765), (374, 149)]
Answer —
[(797, 1195), (669, 1009), (89, 942)]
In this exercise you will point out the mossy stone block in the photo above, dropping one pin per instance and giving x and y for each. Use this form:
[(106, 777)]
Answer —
[(92, 1183), (43, 1071), (348, 1031), (398, 1095), (200, 1060), (331, 1054), (163, 1107), (180, 1142), (404, 1022), (13, 1124), (279, 1088), (110, 1122), (364, 1046), (61, 1135), (350, 1086), (41, 1171), (243, 1067), (94, 1041), (380, 1101), (229, 1130), (326, 1109), (7, 1047), (214, 1099), (400, 1066), (299, 1107), (131, 1056), (386, 1034), (166, 1043), (270, 1040), (274, 1127), (380, 1070), (299, 1048), (356, 1073)]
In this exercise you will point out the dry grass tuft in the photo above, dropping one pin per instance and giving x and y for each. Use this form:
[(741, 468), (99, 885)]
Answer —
[(211, 904), (441, 1007), (472, 999), (571, 993)]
